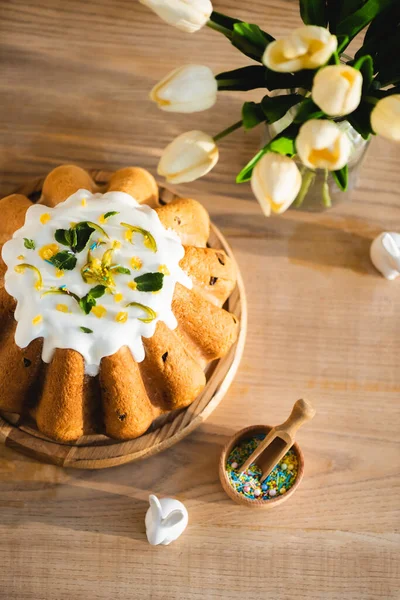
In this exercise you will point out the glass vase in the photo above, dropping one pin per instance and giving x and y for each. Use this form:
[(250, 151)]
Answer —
[(319, 190)]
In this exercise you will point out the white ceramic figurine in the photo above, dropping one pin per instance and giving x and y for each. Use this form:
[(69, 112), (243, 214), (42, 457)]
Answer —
[(166, 520), (385, 254)]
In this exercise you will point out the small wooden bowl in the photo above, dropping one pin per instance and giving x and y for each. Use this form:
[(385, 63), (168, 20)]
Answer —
[(241, 499)]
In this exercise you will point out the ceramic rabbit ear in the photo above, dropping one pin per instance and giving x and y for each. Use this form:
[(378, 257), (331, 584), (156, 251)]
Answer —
[(155, 506), (174, 518), (390, 245)]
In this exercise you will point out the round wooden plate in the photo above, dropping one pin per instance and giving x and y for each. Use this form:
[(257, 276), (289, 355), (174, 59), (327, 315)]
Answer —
[(99, 451)]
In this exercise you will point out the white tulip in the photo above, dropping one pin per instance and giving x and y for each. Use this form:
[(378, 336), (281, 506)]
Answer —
[(337, 89), (188, 157), (308, 47), (188, 89), (321, 144), (385, 117), (275, 182), (186, 15)]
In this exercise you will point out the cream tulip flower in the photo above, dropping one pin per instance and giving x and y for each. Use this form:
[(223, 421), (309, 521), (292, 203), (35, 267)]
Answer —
[(337, 89), (308, 47), (188, 157), (275, 182), (186, 15), (188, 89), (385, 117), (321, 144)]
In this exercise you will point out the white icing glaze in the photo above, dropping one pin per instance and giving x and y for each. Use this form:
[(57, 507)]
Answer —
[(385, 254), (166, 520), (62, 330)]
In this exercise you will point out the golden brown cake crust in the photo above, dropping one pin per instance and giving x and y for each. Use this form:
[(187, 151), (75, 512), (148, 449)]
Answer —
[(12, 211), (211, 271), (213, 329), (137, 182), (172, 377), (19, 369), (60, 410), (188, 218), (64, 181), (126, 406)]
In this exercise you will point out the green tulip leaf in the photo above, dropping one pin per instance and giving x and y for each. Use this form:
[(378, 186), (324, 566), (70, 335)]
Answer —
[(283, 143), (354, 22), (308, 110), (274, 108), (250, 40), (313, 12), (341, 177)]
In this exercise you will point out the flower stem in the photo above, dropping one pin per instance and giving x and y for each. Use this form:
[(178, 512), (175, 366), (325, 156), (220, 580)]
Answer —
[(371, 100), (326, 197), (307, 179), (227, 131), (219, 28)]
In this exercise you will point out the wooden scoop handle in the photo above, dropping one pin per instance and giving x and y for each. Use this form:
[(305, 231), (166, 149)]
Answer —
[(302, 412)]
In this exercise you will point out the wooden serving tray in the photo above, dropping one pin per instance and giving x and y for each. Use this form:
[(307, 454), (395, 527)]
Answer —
[(100, 451)]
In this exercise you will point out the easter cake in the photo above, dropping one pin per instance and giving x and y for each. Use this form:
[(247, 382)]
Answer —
[(111, 304)]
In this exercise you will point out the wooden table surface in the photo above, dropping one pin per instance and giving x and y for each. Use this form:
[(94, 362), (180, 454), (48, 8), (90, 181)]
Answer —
[(322, 324)]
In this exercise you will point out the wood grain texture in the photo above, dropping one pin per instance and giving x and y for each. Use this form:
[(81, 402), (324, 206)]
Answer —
[(322, 323)]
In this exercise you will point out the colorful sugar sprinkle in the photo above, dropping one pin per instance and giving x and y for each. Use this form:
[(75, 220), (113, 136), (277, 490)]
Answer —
[(279, 481)]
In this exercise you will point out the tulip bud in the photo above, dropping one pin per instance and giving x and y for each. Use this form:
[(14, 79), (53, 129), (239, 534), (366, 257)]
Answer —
[(337, 89), (385, 117), (321, 144), (188, 157), (308, 47), (275, 182), (188, 89), (186, 15)]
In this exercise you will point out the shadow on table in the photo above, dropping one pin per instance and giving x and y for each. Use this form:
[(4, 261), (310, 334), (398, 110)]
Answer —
[(110, 501), (318, 241)]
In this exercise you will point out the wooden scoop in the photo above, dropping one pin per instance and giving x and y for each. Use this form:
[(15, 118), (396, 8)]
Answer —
[(279, 440)]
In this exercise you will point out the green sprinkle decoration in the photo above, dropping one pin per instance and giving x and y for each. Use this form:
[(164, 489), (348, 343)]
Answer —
[(86, 329), (278, 482), (29, 244)]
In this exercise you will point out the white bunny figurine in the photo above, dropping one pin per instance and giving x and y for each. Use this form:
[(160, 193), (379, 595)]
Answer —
[(166, 520), (385, 254)]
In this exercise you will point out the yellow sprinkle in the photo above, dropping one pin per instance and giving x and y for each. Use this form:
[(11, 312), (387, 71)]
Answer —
[(21, 257), (96, 263), (45, 218), (136, 263), (132, 285), (59, 273), (163, 269), (38, 319), (121, 317), (118, 297), (19, 269), (116, 245), (102, 220), (48, 251), (99, 311), (62, 308), (83, 201), (38, 285), (128, 235)]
